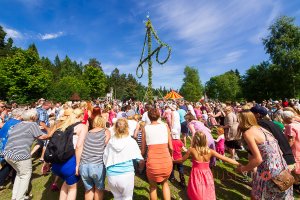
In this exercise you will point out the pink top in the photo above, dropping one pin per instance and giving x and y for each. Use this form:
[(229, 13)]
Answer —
[(198, 113), (177, 146), (220, 142), (111, 115), (293, 130), (168, 116)]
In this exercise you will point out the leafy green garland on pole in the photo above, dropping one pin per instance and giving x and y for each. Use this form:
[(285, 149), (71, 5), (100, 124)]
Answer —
[(148, 38)]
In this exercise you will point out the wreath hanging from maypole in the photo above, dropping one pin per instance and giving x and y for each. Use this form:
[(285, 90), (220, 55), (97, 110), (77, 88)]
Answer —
[(148, 38)]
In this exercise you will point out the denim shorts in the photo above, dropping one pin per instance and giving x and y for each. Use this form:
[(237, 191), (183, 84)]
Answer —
[(92, 175)]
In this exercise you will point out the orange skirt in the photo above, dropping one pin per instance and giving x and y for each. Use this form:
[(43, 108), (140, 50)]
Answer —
[(159, 162)]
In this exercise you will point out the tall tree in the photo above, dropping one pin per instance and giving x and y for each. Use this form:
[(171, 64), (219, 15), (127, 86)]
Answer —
[(95, 63), (224, 87), (191, 88), (95, 79), (283, 45), (5, 47), (22, 76)]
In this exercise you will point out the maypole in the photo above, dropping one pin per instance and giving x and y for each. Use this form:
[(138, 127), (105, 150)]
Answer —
[(148, 38)]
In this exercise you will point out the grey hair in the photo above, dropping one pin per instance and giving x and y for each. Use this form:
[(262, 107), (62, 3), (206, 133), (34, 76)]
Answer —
[(287, 115), (17, 112), (27, 115)]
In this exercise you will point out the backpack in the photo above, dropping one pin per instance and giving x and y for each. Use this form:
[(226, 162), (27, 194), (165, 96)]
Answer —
[(60, 147)]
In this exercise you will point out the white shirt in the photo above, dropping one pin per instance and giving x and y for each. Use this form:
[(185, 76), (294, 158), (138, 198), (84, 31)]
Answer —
[(156, 134), (145, 118)]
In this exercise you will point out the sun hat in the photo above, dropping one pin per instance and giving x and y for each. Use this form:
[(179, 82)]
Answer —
[(175, 134)]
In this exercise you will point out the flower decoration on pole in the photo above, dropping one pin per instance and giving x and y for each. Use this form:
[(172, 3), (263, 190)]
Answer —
[(140, 69)]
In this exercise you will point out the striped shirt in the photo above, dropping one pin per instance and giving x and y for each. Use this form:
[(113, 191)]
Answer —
[(93, 148), (20, 139)]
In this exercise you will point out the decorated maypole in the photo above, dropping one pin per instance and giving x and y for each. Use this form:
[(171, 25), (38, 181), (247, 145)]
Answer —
[(148, 38)]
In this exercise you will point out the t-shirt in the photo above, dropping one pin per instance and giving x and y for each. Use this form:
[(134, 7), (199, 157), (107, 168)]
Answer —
[(182, 113), (145, 118), (131, 126), (177, 146), (20, 139)]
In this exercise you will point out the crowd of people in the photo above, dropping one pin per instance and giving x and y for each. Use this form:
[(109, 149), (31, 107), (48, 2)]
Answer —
[(116, 140)]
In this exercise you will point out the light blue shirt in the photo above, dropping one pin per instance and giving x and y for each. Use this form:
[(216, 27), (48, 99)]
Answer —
[(182, 113)]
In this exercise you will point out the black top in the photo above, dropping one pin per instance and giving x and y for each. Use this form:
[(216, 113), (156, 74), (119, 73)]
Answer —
[(280, 137)]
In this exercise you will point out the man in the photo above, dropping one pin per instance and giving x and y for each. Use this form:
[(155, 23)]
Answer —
[(43, 122), (260, 113), (6, 168)]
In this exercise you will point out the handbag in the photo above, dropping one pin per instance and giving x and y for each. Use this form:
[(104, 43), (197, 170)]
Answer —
[(285, 179)]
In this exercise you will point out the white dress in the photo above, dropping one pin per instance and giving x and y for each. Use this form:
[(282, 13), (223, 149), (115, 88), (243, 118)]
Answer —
[(176, 124)]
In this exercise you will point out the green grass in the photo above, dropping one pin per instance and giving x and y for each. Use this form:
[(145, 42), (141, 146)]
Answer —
[(228, 184)]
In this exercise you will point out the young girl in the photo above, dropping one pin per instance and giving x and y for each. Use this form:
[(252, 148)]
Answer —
[(201, 182), (220, 148)]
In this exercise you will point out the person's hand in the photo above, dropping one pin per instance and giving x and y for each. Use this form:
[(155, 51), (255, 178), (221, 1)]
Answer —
[(239, 169)]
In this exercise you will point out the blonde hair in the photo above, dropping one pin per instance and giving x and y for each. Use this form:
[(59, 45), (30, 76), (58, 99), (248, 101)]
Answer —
[(83, 105), (99, 121), (71, 119), (121, 128), (246, 119), (200, 143)]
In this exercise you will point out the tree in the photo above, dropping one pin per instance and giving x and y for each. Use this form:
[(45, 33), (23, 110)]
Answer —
[(191, 88), (66, 87), (5, 47), (282, 44), (70, 68), (95, 63), (225, 87), (257, 82), (95, 79), (22, 76)]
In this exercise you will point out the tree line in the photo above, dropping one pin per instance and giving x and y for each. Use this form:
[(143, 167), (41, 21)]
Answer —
[(277, 78), (25, 76)]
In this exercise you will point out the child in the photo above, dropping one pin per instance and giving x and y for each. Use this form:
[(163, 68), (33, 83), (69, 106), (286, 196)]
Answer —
[(177, 147), (220, 148), (201, 182), (141, 163)]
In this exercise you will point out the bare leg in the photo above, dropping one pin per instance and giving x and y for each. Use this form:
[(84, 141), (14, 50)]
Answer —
[(99, 194), (35, 148), (153, 190), (63, 192), (89, 194), (166, 190)]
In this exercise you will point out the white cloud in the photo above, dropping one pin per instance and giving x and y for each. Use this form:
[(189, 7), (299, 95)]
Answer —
[(49, 36), (11, 33), (231, 57)]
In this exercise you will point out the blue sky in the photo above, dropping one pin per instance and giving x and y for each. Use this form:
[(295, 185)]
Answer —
[(213, 36)]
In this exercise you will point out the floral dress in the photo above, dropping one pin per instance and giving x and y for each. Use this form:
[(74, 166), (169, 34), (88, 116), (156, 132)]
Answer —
[(273, 163)]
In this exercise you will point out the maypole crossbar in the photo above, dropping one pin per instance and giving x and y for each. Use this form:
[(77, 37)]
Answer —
[(148, 38)]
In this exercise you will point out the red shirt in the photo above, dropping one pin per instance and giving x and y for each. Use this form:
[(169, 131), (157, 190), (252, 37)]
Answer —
[(177, 146)]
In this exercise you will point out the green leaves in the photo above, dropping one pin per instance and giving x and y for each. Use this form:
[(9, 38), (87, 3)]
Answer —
[(225, 87), (191, 88)]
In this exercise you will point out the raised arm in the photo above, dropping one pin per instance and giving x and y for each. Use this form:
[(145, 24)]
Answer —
[(224, 158)]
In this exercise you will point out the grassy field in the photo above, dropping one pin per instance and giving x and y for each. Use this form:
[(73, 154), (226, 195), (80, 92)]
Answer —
[(228, 184)]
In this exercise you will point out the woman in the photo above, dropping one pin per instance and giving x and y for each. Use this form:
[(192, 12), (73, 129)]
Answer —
[(292, 132), (96, 111), (105, 116), (92, 169), (195, 126), (111, 114), (175, 119), (132, 124), (231, 132), (17, 150), (159, 162), (118, 158), (68, 170), (265, 154)]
